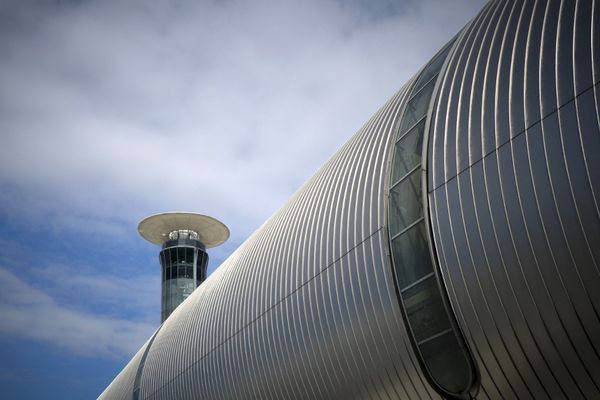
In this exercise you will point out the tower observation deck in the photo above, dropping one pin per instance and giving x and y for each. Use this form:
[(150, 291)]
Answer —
[(184, 238)]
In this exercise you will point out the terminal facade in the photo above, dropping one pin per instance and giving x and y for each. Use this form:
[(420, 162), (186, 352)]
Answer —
[(450, 249)]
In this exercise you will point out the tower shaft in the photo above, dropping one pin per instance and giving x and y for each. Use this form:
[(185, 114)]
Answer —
[(184, 238), (183, 267)]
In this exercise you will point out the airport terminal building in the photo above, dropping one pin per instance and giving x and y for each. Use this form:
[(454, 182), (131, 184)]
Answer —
[(450, 249)]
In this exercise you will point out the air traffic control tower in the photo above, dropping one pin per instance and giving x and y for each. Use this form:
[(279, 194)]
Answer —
[(184, 238)]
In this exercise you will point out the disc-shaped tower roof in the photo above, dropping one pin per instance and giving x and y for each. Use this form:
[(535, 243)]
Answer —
[(156, 228)]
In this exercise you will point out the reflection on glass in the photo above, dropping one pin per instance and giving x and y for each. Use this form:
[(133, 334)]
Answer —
[(406, 205), (417, 107), (411, 256), (446, 362), (189, 255), (432, 69), (408, 152), (425, 309)]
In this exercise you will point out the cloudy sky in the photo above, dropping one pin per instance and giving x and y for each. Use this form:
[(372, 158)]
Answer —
[(111, 110)]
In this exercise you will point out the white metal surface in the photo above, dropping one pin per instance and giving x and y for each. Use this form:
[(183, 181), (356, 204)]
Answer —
[(156, 228)]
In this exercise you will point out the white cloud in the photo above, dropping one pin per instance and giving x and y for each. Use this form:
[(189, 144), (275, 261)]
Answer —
[(115, 295), (30, 313), (114, 110)]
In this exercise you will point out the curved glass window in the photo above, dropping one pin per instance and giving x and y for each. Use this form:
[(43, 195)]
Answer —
[(184, 269), (436, 340)]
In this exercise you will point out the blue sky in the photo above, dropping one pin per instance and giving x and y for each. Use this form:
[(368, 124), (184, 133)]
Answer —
[(114, 110)]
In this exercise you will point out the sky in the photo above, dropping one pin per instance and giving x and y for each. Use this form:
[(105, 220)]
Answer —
[(113, 110)]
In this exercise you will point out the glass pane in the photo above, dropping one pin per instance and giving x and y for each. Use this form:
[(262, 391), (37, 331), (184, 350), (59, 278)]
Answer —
[(163, 303), (186, 287), (426, 313), (408, 152), (433, 68), (202, 258), (411, 256), (429, 322), (199, 275), (173, 256), (162, 259), (417, 107), (446, 362), (189, 255), (201, 263), (406, 205)]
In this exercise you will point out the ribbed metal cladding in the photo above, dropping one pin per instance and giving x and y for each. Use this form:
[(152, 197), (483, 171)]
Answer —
[(514, 191), (121, 388), (306, 308)]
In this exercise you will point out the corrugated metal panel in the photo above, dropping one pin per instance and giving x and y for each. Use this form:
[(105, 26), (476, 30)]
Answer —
[(517, 228), (306, 307), (121, 388)]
